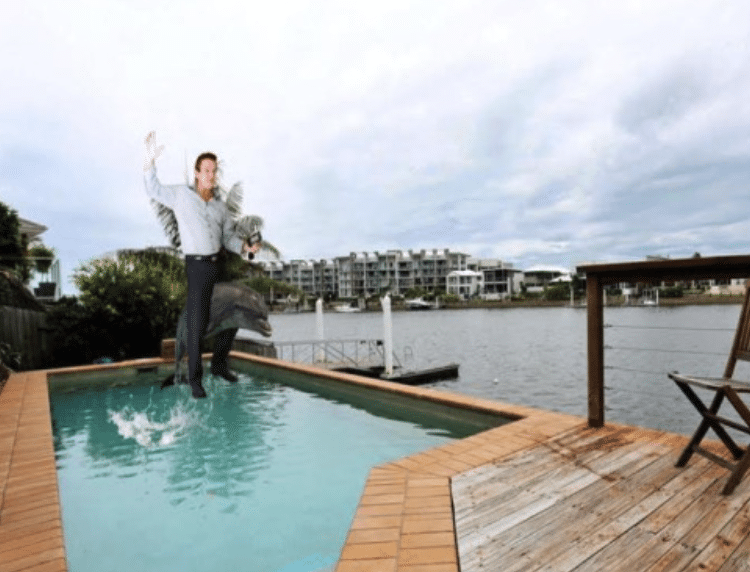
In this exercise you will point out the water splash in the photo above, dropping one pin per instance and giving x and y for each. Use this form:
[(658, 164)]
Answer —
[(145, 429)]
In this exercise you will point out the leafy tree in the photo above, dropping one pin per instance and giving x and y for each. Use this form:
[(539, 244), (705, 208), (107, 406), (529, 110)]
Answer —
[(415, 292), (12, 247), (127, 306)]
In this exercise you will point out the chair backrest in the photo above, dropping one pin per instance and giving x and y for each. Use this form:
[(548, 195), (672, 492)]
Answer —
[(741, 345)]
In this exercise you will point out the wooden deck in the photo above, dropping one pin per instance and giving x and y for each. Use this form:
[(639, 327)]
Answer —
[(601, 499), (544, 492)]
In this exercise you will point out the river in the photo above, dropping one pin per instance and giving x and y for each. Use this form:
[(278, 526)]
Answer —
[(537, 356)]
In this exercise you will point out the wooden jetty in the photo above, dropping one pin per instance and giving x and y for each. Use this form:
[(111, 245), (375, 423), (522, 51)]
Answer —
[(413, 377)]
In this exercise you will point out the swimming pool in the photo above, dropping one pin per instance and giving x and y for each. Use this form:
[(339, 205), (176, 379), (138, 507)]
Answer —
[(264, 475)]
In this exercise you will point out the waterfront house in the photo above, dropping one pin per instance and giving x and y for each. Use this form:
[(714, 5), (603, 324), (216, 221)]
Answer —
[(45, 278), (465, 283), (538, 277)]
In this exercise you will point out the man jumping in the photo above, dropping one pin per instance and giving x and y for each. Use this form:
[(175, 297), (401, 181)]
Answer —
[(204, 225)]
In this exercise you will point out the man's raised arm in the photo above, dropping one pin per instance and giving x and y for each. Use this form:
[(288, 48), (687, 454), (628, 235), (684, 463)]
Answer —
[(154, 189)]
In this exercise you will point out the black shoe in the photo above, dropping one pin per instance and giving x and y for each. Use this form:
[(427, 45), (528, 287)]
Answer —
[(198, 391), (226, 374)]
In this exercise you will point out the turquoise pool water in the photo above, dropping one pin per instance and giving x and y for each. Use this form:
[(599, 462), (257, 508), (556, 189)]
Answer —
[(264, 475)]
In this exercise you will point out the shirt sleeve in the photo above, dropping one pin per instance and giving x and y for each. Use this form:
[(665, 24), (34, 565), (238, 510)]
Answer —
[(166, 195)]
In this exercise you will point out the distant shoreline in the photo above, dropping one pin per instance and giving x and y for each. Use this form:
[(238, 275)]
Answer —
[(612, 301)]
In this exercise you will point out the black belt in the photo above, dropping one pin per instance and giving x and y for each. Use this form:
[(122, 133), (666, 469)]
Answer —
[(202, 257)]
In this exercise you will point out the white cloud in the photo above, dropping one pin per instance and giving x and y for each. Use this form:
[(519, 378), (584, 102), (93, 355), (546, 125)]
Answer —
[(542, 132)]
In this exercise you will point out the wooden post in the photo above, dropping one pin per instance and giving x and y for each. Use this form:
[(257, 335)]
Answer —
[(595, 318)]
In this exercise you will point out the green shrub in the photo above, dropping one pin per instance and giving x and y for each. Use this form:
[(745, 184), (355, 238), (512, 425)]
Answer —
[(10, 358), (44, 254), (671, 292), (79, 334), (450, 298), (126, 307), (557, 292)]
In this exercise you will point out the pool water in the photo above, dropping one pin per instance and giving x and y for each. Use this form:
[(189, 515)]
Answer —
[(264, 475)]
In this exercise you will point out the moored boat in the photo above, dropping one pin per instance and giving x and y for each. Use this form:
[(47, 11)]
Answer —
[(418, 304)]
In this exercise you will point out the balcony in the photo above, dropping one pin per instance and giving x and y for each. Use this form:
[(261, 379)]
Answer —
[(45, 279)]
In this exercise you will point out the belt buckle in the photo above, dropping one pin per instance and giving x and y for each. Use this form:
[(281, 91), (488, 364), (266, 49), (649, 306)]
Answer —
[(205, 257)]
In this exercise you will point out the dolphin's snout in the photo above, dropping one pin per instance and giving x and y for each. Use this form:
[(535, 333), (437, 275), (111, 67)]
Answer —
[(264, 328)]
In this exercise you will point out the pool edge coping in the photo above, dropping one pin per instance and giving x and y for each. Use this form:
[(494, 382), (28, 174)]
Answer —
[(401, 520)]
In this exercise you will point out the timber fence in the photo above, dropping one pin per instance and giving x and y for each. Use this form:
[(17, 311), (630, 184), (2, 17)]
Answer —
[(26, 332)]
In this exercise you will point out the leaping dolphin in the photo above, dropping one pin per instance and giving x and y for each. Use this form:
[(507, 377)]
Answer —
[(233, 305)]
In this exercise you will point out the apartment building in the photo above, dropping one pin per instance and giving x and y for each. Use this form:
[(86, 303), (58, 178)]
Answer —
[(363, 274), (465, 283), (314, 277)]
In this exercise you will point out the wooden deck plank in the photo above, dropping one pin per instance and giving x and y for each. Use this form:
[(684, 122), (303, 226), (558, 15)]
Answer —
[(545, 538), (681, 541), (535, 492), (739, 561), (723, 545), (641, 548), (632, 509), (586, 544), (526, 470)]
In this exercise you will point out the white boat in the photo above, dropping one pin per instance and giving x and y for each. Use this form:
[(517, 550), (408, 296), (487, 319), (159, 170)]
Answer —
[(419, 304), (650, 298), (346, 309)]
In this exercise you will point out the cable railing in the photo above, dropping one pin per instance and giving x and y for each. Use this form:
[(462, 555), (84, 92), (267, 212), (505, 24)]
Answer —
[(636, 369), (357, 353), (648, 272), (660, 350)]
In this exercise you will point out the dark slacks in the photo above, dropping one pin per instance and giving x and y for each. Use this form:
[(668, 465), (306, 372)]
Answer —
[(202, 275)]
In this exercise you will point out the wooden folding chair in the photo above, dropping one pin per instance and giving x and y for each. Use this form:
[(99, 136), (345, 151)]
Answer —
[(723, 388)]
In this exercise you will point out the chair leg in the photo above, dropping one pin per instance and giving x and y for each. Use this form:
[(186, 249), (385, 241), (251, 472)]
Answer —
[(739, 471), (704, 425)]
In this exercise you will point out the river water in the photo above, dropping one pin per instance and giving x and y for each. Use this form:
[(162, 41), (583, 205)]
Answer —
[(537, 356)]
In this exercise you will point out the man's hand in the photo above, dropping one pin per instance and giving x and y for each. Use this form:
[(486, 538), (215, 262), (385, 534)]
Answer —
[(152, 151)]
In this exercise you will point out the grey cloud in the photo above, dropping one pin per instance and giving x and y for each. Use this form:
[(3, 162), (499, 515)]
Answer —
[(664, 99)]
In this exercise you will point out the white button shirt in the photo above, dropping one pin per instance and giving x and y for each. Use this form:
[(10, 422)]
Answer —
[(204, 225)]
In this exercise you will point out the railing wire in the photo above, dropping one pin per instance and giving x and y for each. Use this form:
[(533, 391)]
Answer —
[(668, 328), (659, 350)]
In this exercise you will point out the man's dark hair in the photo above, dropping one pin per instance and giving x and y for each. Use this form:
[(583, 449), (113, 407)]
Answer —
[(206, 155)]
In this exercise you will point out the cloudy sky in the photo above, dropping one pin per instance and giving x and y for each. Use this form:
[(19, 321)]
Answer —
[(534, 131)]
